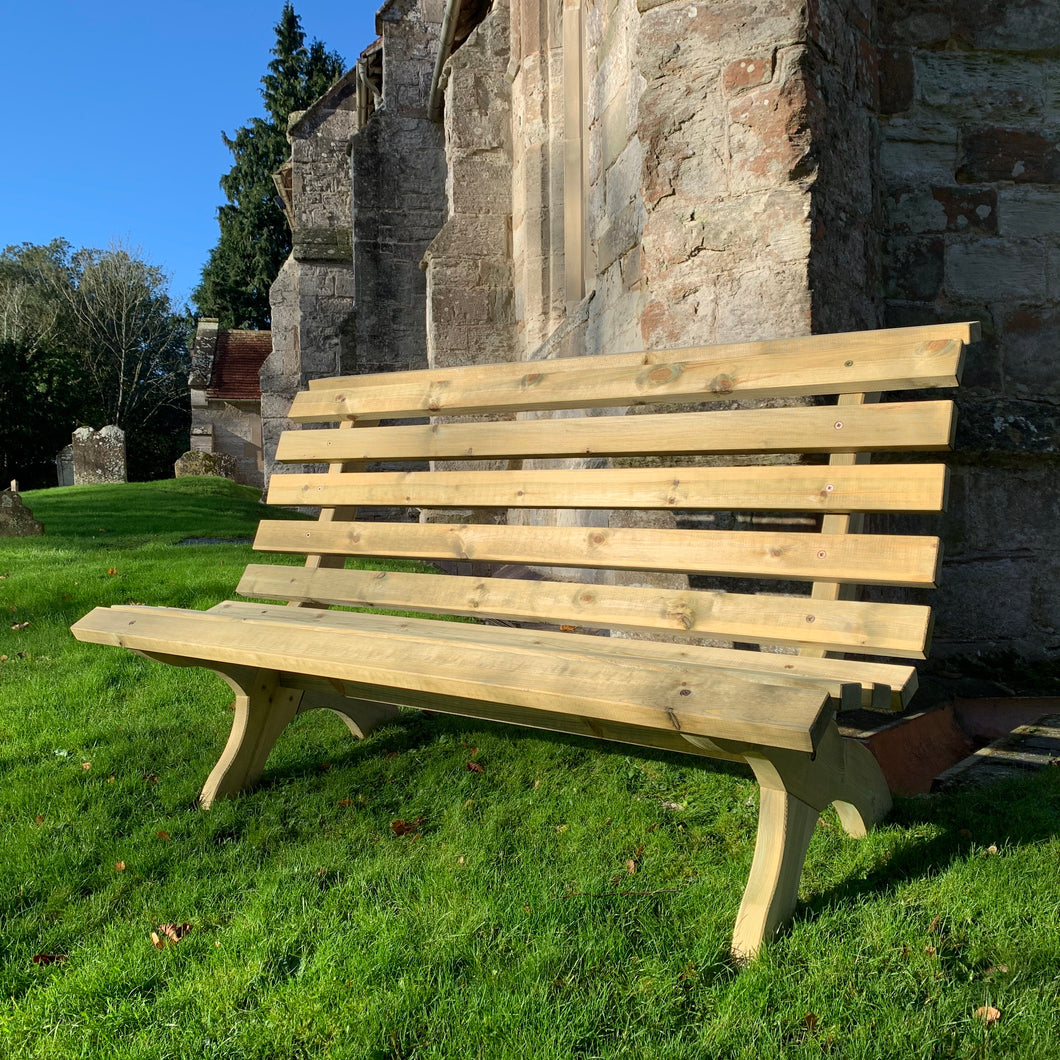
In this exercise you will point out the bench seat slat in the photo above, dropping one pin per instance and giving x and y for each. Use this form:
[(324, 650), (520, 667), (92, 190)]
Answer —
[(703, 374), (897, 681), (395, 653), (899, 630), (890, 427), (883, 488), (888, 559)]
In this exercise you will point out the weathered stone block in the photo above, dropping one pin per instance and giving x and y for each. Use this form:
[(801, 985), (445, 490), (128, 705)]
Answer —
[(99, 456), (195, 462), (1029, 212), (1031, 340), (913, 268), (16, 520), (978, 84), (743, 74), (985, 270), (1021, 155)]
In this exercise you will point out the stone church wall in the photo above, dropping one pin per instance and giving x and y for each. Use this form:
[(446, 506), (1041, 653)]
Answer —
[(970, 159), (757, 168)]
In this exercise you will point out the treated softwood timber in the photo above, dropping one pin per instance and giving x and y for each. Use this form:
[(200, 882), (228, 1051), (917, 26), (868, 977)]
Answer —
[(867, 559), (894, 427), (882, 685), (770, 710), (406, 656), (701, 374), (899, 629), (915, 488)]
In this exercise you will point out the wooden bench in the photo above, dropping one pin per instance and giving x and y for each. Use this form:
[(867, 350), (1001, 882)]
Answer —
[(773, 710)]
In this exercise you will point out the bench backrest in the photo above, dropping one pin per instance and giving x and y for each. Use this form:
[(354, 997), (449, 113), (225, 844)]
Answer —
[(663, 415)]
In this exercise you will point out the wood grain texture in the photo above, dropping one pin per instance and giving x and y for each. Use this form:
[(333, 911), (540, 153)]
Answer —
[(887, 684), (752, 371), (896, 426), (873, 559), (918, 488), (654, 692), (864, 628)]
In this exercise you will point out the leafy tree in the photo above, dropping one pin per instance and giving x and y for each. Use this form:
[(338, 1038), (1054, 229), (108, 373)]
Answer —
[(255, 240), (38, 367), (88, 337)]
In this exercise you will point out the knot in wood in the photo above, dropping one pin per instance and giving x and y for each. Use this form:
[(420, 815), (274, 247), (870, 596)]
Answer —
[(664, 373)]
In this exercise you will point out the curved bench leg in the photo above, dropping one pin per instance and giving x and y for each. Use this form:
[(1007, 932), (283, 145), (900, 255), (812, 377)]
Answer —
[(263, 710), (785, 825), (795, 789)]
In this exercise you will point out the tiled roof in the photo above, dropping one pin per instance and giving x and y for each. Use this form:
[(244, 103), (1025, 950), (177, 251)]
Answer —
[(239, 357)]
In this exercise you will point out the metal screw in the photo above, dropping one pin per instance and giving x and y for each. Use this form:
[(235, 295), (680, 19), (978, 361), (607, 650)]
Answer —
[(838, 425), (829, 488), (809, 618), (686, 691), (820, 555)]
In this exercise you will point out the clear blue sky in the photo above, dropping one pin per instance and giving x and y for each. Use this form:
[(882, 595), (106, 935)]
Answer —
[(114, 111)]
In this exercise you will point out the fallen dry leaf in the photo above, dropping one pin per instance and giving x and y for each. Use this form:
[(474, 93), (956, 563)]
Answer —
[(934, 923), (401, 827), (169, 934), (988, 1014), (3, 658), (112, 570), (119, 866), (49, 958), (86, 765), (163, 835), (567, 629), (39, 819), (631, 866), (474, 767), (991, 850), (810, 1019), (20, 625), (345, 802)]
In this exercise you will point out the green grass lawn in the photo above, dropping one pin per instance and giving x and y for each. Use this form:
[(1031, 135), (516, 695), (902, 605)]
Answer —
[(568, 900)]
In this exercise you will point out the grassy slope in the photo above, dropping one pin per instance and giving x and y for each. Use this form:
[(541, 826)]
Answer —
[(507, 924)]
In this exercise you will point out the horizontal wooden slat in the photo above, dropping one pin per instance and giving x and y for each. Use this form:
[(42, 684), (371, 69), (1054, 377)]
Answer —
[(896, 426), (400, 654), (884, 488), (854, 626), (798, 367), (859, 558), (884, 684)]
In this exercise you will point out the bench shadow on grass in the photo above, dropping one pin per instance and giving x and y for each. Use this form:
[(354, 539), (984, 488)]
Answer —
[(1017, 812)]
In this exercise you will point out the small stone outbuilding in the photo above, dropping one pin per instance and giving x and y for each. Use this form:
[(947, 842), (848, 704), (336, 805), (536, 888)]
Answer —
[(226, 396)]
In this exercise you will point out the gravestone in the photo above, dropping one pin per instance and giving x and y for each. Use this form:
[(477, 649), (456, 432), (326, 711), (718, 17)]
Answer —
[(16, 520), (197, 462), (64, 466), (99, 456)]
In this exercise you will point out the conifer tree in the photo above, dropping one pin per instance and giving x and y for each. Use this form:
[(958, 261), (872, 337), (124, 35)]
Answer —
[(255, 239)]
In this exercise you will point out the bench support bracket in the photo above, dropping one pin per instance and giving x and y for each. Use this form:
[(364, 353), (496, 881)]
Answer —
[(795, 789)]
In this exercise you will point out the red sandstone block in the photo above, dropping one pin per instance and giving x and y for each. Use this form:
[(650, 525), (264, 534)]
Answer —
[(1019, 155), (747, 73)]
